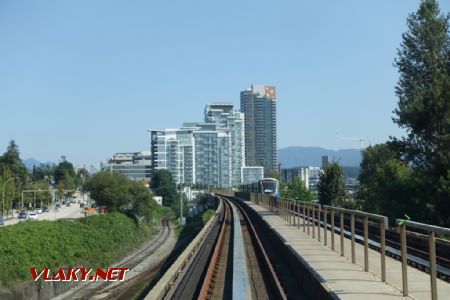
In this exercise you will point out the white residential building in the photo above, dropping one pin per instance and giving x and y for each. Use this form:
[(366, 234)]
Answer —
[(252, 174)]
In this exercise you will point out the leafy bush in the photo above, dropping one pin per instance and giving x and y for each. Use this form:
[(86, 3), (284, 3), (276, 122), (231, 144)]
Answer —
[(118, 193), (95, 241), (208, 214)]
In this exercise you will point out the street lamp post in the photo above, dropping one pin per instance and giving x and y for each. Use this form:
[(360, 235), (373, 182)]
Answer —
[(4, 186)]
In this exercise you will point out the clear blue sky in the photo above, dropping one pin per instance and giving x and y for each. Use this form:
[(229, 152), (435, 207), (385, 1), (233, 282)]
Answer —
[(86, 79)]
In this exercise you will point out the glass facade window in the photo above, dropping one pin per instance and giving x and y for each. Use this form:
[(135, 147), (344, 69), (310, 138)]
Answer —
[(259, 107)]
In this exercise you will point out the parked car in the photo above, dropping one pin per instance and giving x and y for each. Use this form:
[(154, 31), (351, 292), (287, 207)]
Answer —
[(58, 205), (2, 221), (33, 216), (45, 209), (39, 210), (22, 215)]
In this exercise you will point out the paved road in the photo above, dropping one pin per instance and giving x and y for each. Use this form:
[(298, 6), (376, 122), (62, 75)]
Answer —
[(64, 212)]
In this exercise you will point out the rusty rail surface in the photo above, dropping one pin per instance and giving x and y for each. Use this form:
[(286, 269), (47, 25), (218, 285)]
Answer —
[(212, 268)]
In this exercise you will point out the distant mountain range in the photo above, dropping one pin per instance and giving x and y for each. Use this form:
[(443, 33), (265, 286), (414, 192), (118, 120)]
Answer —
[(312, 156), (289, 157), (31, 162)]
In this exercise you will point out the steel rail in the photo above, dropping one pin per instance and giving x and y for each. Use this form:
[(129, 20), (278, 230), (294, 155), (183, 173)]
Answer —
[(274, 278), (213, 265)]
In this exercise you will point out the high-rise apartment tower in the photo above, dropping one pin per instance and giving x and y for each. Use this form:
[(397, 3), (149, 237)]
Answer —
[(258, 104)]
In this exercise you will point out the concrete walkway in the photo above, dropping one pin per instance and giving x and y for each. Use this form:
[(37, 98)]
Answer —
[(347, 280)]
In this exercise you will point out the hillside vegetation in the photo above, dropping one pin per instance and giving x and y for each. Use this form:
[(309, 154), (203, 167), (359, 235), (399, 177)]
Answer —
[(95, 241)]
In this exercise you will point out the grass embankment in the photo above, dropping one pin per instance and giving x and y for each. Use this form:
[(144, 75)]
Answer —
[(95, 241), (208, 215), (194, 225)]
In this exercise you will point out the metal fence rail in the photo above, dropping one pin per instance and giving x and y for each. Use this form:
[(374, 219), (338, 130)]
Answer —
[(432, 231), (382, 220), (310, 213)]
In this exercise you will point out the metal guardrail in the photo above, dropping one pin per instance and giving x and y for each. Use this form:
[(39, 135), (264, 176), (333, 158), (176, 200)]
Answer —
[(432, 231), (290, 210), (382, 220)]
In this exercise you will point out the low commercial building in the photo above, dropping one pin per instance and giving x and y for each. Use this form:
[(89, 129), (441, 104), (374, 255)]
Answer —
[(134, 165)]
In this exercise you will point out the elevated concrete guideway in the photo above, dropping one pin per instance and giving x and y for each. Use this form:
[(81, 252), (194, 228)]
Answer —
[(342, 278)]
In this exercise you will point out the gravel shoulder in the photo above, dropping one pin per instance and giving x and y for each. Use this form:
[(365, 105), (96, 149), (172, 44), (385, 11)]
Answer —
[(149, 256)]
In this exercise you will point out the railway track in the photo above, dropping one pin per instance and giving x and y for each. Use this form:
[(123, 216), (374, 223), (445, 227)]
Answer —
[(233, 263), (135, 278)]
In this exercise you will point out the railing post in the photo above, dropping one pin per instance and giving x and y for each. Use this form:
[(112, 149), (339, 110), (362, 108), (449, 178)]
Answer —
[(298, 212), (366, 244), (313, 221), (383, 250), (308, 221), (304, 217), (285, 210), (325, 226), (293, 212), (294, 203), (332, 229), (404, 260), (277, 206), (290, 212), (342, 233), (318, 223), (288, 217), (352, 229), (432, 258), (281, 208)]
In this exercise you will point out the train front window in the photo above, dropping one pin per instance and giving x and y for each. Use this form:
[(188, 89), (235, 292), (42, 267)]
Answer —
[(269, 187)]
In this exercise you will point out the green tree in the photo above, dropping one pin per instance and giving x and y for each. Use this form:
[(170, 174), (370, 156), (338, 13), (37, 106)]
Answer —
[(11, 166), (65, 173), (142, 199), (42, 172), (423, 108), (331, 187), (10, 160), (83, 174), (163, 185), (11, 192), (61, 189), (387, 184), (119, 193), (297, 190), (110, 190)]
